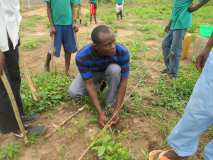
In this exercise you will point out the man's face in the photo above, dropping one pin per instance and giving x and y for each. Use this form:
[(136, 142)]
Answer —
[(107, 46)]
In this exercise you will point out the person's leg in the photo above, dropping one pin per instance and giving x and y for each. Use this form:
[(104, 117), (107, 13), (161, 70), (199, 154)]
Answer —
[(47, 62), (77, 87), (176, 49), (69, 44), (113, 77), (166, 45), (121, 14), (198, 115), (208, 152), (8, 121)]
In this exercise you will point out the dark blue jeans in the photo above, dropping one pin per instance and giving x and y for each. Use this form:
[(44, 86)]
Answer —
[(172, 48)]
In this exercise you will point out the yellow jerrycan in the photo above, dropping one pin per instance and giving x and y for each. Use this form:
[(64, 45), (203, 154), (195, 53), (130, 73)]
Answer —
[(186, 45)]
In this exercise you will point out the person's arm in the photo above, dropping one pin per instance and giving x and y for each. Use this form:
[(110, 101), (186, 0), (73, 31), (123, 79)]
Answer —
[(201, 59), (119, 99), (195, 7), (49, 14), (75, 26), (167, 28), (94, 96), (2, 62)]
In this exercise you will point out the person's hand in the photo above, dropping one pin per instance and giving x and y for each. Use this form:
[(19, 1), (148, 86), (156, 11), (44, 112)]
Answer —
[(52, 30), (115, 119), (102, 119), (75, 28), (201, 59), (191, 8), (2, 62), (167, 28)]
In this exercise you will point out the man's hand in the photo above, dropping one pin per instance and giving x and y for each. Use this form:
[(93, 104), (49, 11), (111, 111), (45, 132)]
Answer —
[(102, 119), (2, 62), (75, 28), (52, 30), (167, 28), (201, 59), (116, 119)]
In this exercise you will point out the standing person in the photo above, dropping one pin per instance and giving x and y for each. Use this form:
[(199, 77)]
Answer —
[(119, 9), (103, 60), (181, 20), (61, 26), (93, 8), (198, 115), (9, 62), (77, 11)]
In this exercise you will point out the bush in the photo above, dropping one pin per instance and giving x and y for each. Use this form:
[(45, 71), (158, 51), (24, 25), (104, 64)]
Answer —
[(52, 89)]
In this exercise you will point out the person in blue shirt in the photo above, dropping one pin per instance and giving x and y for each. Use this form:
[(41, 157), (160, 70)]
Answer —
[(103, 60)]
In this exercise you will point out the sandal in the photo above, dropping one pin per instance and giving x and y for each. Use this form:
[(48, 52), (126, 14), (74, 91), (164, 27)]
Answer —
[(158, 155)]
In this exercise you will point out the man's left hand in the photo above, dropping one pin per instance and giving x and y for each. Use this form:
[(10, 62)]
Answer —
[(75, 28)]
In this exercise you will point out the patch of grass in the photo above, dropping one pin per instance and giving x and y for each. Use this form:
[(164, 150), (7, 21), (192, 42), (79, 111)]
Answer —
[(9, 152), (52, 89), (107, 149), (31, 44), (175, 94), (30, 23), (32, 138)]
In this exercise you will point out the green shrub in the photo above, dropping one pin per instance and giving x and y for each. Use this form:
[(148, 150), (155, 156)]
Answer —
[(9, 152), (107, 149), (52, 89)]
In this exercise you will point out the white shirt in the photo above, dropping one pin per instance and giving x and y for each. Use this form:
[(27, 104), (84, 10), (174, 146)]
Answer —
[(10, 19)]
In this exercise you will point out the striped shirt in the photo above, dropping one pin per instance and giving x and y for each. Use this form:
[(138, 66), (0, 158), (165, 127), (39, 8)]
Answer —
[(89, 62)]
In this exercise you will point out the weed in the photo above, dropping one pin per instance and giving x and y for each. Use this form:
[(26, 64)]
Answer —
[(9, 152), (30, 44), (107, 149), (52, 89)]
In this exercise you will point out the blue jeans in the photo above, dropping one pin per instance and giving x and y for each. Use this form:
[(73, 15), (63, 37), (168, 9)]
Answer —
[(172, 48), (112, 75), (198, 116)]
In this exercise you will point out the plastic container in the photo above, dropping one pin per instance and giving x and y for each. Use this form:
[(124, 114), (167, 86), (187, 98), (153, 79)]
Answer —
[(206, 30), (186, 45)]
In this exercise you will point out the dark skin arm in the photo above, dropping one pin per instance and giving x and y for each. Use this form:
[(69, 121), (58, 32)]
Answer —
[(195, 7), (167, 28), (201, 59), (2, 62), (49, 14), (119, 99), (94, 96), (75, 26)]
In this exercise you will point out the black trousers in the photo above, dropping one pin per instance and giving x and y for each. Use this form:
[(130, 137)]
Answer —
[(8, 122)]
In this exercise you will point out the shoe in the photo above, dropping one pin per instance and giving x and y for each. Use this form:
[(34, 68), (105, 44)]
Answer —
[(103, 86), (30, 118), (37, 130), (173, 76), (164, 71)]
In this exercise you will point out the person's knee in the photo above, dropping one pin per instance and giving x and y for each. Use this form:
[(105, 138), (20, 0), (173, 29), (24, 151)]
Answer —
[(113, 70), (72, 92)]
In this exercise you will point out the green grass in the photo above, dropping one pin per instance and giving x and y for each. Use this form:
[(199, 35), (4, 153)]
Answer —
[(52, 90), (9, 152), (107, 149), (175, 94), (31, 44), (30, 23)]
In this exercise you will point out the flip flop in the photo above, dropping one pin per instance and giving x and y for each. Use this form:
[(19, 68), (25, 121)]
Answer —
[(158, 155)]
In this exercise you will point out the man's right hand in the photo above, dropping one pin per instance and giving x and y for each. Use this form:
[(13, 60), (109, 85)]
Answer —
[(167, 28), (102, 119), (2, 62)]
